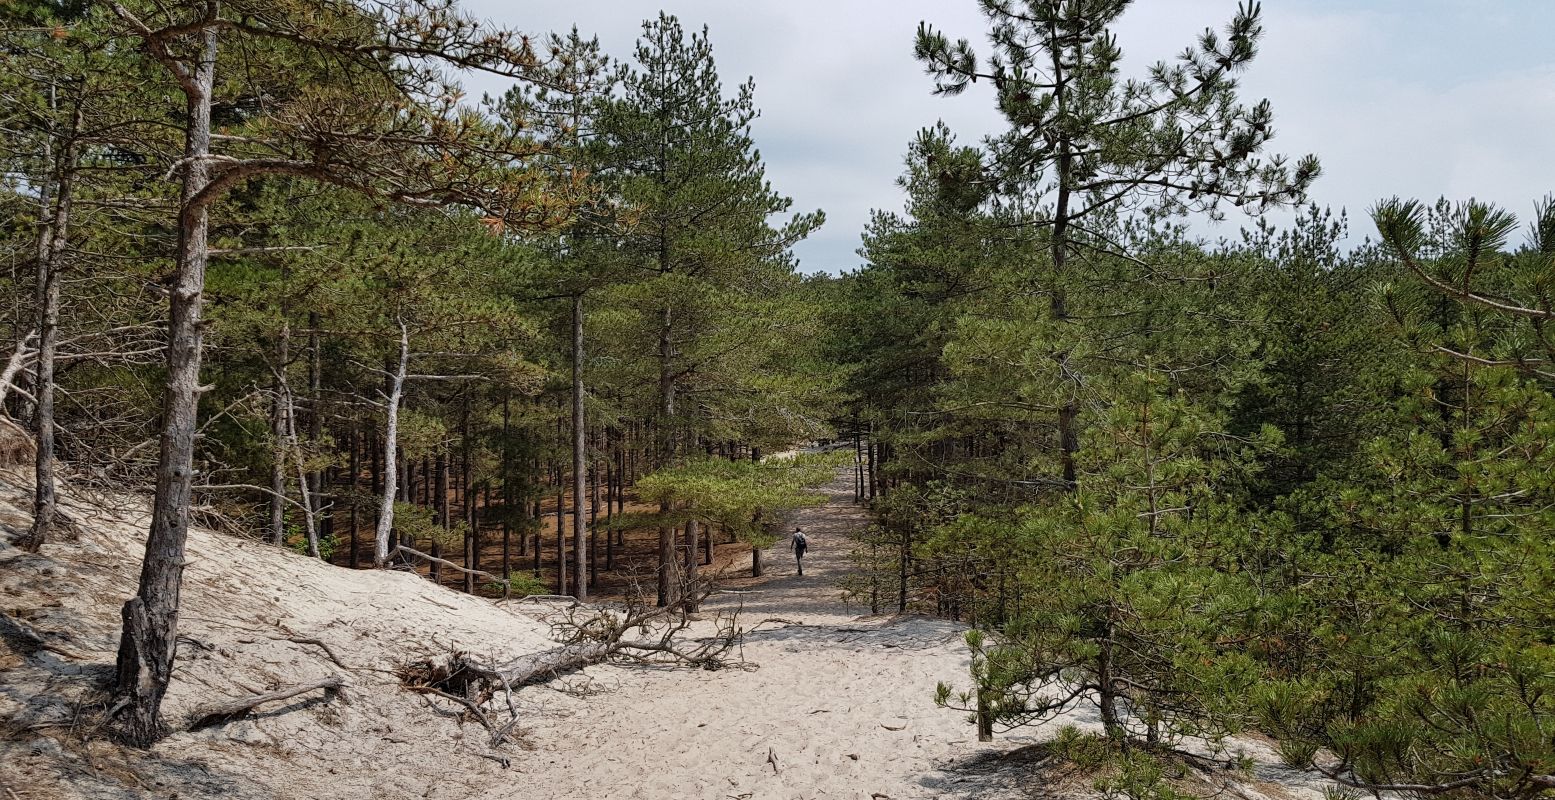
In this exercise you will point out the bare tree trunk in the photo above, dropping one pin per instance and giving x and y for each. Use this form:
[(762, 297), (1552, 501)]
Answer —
[(315, 404), (471, 537), (278, 454), (391, 436), (611, 477), (580, 545), (561, 534), (858, 461), (871, 466), (693, 529), (440, 503), (150, 636), (666, 448), (294, 447), (53, 242), (356, 484), (507, 490), (593, 524)]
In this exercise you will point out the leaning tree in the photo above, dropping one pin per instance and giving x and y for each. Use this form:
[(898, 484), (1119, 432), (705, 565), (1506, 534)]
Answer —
[(386, 122)]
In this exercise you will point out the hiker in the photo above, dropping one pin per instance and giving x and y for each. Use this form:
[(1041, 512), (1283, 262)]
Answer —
[(798, 543)]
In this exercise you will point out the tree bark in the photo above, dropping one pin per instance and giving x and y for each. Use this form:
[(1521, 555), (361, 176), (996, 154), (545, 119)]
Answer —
[(315, 404), (52, 244), (561, 534), (507, 490), (150, 636), (471, 535), (440, 503), (278, 455), (580, 546), (355, 467), (391, 435), (593, 524)]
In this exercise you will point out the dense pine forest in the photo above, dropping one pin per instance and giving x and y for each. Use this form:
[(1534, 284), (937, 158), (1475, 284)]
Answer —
[(271, 266)]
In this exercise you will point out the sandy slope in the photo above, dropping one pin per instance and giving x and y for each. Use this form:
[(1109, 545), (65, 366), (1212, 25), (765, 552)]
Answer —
[(825, 704)]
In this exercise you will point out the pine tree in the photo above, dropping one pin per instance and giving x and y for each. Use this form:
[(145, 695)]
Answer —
[(1085, 146), (681, 154)]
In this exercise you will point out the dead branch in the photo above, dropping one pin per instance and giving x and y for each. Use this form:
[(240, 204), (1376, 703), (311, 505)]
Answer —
[(222, 712), (638, 633), (451, 565), (322, 646)]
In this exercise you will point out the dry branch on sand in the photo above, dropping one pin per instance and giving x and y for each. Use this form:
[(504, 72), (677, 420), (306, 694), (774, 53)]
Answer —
[(637, 632), (231, 709)]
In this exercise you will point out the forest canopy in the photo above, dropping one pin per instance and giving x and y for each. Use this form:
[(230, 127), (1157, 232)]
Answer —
[(271, 264)]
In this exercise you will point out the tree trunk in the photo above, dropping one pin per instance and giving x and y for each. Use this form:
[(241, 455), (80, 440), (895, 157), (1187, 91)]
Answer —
[(755, 562), (146, 648), (1107, 694), (440, 504), (870, 466), (561, 535), (356, 482), (580, 546), (471, 537), (611, 478), (294, 447), (593, 524), (315, 404), (391, 435), (278, 455), (52, 243), (693, 529), (666, 448), (507, 491)]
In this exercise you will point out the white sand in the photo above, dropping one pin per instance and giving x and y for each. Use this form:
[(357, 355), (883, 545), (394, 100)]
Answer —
[(828, 705)]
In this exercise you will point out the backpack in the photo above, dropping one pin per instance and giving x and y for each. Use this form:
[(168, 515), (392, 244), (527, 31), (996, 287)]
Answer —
[(801, 541)]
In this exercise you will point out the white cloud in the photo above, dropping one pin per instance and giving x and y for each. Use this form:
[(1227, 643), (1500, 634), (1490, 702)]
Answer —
[(1412, 97)]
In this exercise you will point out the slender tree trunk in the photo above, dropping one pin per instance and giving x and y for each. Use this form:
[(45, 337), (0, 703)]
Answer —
[(440, 504), (561, 534), (315, 405), (755, 561), (693, 530), (580, 545), (1107, 694), (593, 524), (611, 478), (150, 636), (471, 536), (870, 458), (666, 448), (53, 241), (278, 454), (391, 436), (356, 484), (507, 489), (294, 449), (858, 461)]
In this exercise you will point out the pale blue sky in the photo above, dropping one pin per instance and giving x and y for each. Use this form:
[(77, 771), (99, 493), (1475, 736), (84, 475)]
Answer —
[(1419, 98)]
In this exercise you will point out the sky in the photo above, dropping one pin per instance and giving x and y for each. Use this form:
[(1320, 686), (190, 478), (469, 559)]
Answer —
[(1417, 98)]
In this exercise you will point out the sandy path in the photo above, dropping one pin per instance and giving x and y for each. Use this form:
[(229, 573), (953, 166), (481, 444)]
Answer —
[(843, 705)]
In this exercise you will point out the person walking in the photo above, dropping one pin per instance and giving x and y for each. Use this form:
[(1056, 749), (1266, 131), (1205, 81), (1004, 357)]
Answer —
[(799, 543)]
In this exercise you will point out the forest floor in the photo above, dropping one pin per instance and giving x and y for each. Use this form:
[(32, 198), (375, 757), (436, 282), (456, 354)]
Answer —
[(822, 701)]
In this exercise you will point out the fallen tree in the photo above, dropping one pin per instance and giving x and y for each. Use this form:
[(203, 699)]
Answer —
[(637, 632)]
